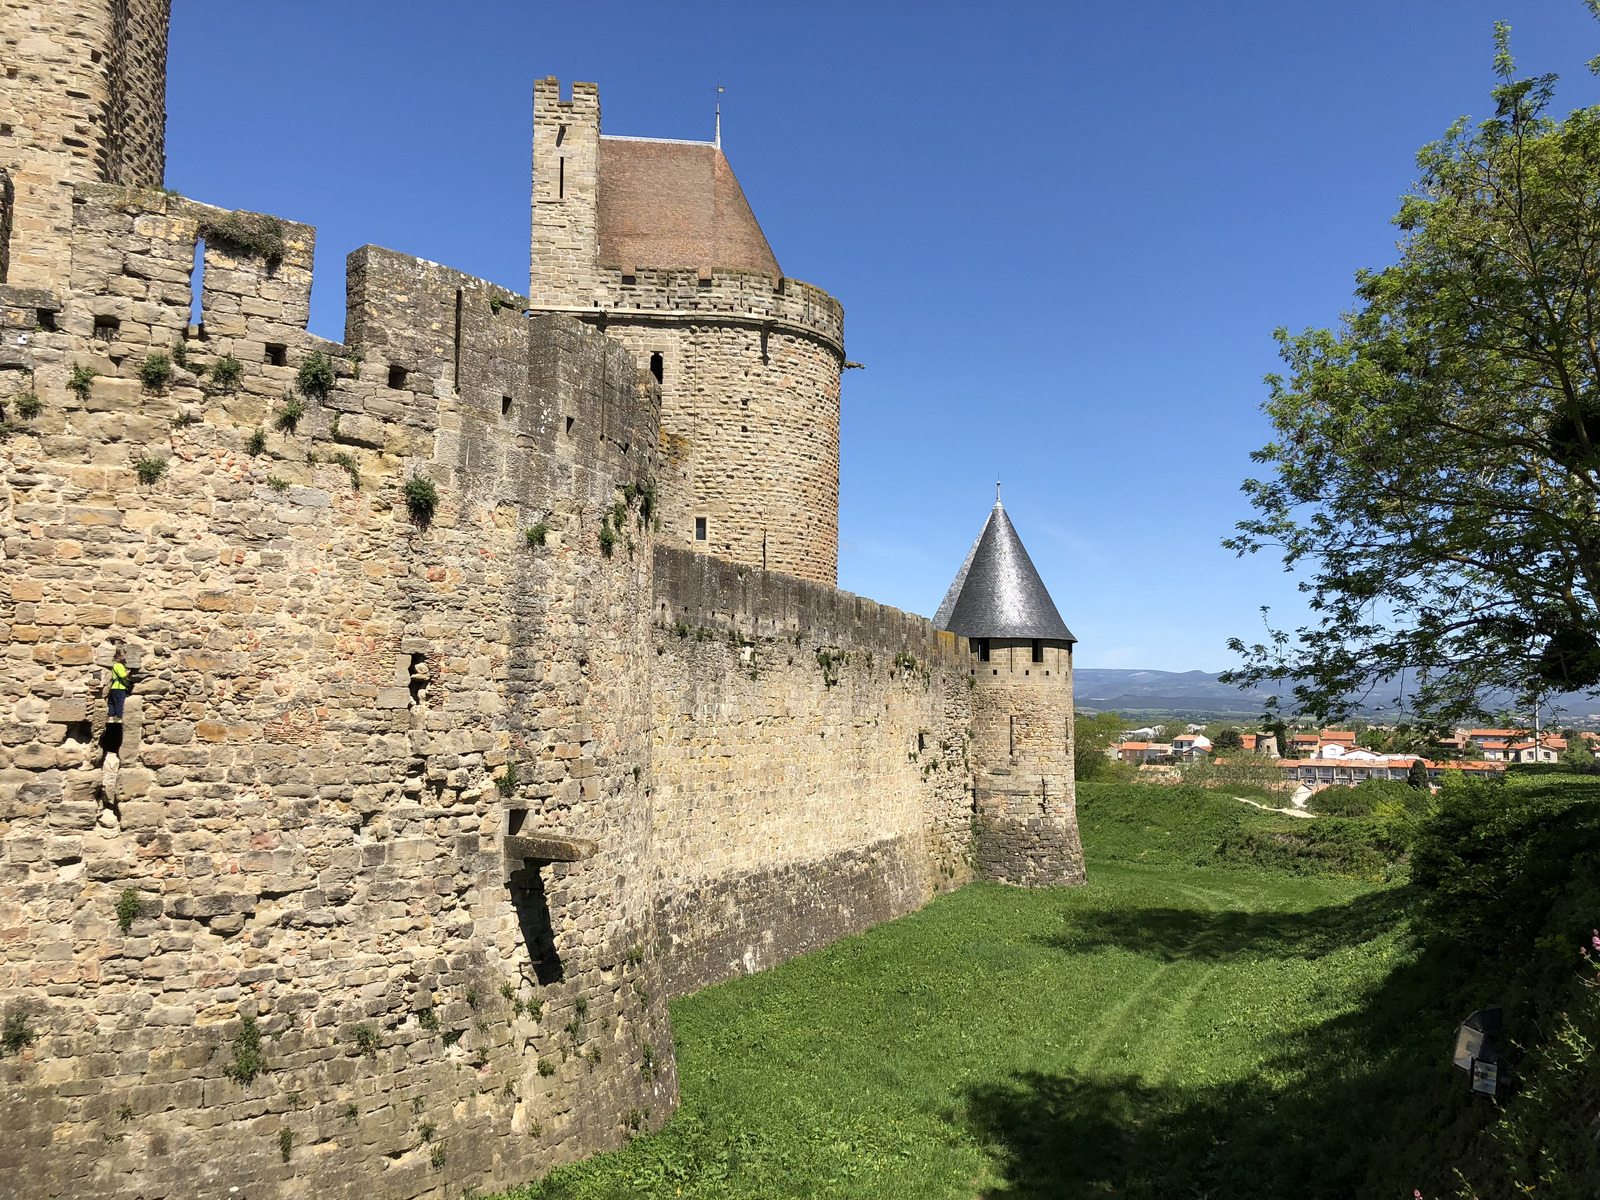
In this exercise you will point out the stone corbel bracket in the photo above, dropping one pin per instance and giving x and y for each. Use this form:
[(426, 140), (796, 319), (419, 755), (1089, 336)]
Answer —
[(524, 852)]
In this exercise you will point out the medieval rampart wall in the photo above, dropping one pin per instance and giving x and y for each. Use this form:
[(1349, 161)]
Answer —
[(82, 100), (749, 411), (811, 766), (305, 836)]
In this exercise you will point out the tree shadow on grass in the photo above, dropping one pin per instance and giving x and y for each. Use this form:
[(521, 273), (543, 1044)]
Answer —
[(1174, 934), (1327, 1116)]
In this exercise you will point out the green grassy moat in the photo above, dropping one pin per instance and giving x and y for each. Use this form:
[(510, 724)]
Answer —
[(1170, 1029)]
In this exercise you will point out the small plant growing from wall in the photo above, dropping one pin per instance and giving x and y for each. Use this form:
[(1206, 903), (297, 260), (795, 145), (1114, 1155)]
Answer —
[(185, 419), (226, 373), (472, 997), (278, 485), (451, 1037), (647, 1062), (180, 356), (350, 469), (289, 415), (506, 783), (150, 469), (350, 1113), (285, 1142), (129, 906), (257, 443), (81, 380), (426, 1131), (829, 662), (608, 536), (647, 500), (316, 375), (17, 1035), (495, 303), (429, 1020), (366, 1040), (619, 514), (155, 372), (536, 534), (251, 234), (248, 1061), (27, 405), (437, 1157), (422, 499), (546, 1068)]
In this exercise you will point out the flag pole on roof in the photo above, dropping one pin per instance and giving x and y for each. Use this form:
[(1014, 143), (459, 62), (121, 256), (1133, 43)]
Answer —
[(717, 141)]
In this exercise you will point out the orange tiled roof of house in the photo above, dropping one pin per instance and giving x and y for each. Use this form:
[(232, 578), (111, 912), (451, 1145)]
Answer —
[(1305, 739), (1339, 735), (1504, 733)]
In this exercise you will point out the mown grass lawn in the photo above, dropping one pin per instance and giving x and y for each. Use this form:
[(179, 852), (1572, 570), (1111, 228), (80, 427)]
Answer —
[(1167, 1030)]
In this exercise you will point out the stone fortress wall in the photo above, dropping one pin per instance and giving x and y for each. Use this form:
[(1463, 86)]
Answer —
[(812, 765), (82, 100), (305, 807), (440, 812), (749, 365)]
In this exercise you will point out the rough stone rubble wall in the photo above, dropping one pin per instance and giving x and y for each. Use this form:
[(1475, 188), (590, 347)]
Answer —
[(304, 808), (83, 90), (751, 364), (811, 766), (749, 412), (1026, 823)]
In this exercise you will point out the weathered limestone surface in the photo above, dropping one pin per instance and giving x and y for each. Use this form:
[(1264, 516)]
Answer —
[(421, 809), (749, 365), (305, 807), (82, 100), (1025, 828), (811, 763)]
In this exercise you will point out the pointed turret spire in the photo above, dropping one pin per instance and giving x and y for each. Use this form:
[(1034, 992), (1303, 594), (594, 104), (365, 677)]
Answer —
[(717, 141), (998, 593)]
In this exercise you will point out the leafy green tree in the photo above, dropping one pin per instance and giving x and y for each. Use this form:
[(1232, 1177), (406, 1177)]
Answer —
[(1417, 777), (1227, 741), (1436, 460), (1093, 735)]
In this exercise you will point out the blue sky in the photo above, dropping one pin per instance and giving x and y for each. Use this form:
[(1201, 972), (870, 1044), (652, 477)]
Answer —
[(1063, 233)]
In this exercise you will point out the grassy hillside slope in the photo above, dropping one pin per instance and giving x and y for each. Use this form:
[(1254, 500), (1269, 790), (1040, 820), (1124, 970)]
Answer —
[(1158, 1026)]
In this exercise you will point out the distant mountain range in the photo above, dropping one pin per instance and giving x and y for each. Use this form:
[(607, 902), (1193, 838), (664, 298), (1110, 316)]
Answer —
[(1162, 694), (1198, 695)]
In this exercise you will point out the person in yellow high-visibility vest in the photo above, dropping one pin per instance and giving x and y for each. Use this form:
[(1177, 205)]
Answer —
[(119, 688)]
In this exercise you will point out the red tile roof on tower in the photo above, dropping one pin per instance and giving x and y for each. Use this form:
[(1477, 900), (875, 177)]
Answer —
[(676, 204)]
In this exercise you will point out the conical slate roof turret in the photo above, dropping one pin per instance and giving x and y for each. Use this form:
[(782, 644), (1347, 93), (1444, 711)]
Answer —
[(997, 593)]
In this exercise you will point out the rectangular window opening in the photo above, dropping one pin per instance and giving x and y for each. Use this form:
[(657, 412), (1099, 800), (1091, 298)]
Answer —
[(46, 320), (105, 328), (699, 529), (197, 283), (417, 678), (397, 377), (1011, 734), (1038, 650), (658, 367), (983, 649), (505, 406), (455, 360), (561, 178), (570, 421), (277, 355)]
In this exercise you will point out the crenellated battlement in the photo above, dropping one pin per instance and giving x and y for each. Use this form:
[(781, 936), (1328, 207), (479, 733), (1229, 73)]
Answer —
[(744, 298), (496, 577)]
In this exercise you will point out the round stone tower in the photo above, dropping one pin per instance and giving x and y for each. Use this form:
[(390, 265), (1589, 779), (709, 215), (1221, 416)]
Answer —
[(83, 100), (1026, 826), (652, 240)]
